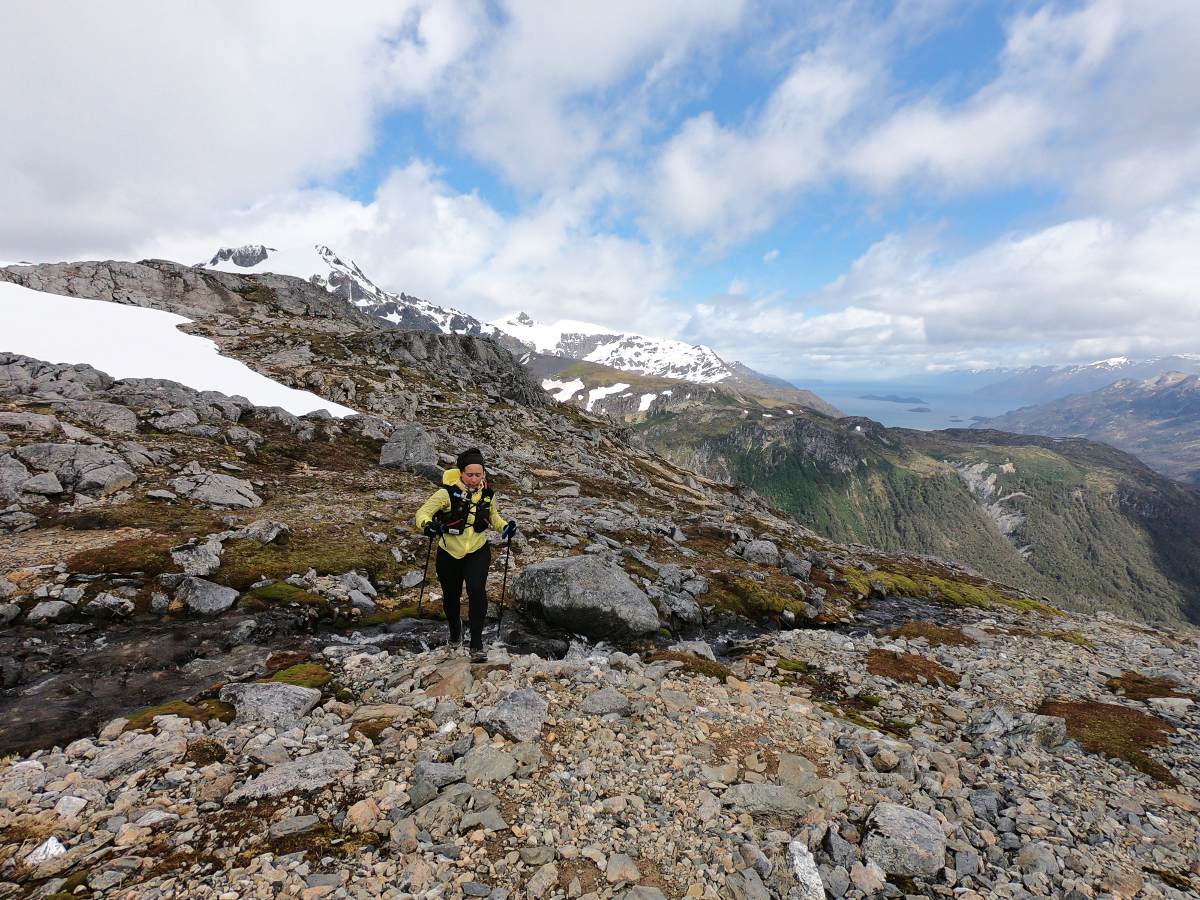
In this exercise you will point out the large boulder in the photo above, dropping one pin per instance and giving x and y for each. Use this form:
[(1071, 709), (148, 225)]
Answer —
[(587, 595), (89, 470), (50, 611), (904, 841), (215, 489), (277, 705), (410, 447), (204, 597), (762, 551), (107, 416), (308, 773)]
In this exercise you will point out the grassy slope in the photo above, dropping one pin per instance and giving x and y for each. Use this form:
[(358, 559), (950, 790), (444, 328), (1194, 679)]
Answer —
[(1101, 530)]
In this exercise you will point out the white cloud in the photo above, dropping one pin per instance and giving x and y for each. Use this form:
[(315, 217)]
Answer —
[(550, 91), (771, 255), (732, 182), (1081, 290), (134, 117)]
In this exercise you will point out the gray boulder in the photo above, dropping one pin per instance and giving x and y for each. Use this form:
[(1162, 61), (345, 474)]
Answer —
[(26, 421), (410, 447), (50, 611), (796, 567), (604, 701), (109, 606), (204, 597), (904, 841), (89, 470), (306, 774), (46, 483), (277, 705), (770, 801), (13, 474), (9, 613), (198, 559), (106, 416), (763, 552), (177, 421), (587, 595), (265, 531), (217, 490), (519, 716)]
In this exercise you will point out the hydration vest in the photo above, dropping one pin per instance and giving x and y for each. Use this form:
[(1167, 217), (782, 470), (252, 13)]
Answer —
[(460, 508)]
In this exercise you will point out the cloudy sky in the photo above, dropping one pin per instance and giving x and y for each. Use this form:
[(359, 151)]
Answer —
[(816, 189)]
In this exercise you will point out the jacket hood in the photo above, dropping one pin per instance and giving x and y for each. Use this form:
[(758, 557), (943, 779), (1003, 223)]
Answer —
[(451, 476)]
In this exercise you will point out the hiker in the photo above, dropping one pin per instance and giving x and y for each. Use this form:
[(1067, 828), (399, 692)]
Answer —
[(458, 515)]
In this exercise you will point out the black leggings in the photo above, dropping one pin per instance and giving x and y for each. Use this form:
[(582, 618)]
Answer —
[(451, 573)]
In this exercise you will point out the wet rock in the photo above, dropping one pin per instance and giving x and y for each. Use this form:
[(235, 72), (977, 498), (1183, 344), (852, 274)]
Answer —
[(277, 705), (904, 841), (589, 596), (106, 605), (50, 611)]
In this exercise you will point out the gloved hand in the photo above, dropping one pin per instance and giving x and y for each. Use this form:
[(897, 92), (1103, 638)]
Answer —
[(509, 530), (435, 529)]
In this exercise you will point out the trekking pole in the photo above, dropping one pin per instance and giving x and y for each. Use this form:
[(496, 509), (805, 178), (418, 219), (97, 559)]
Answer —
[(504, 584), (424, 575)]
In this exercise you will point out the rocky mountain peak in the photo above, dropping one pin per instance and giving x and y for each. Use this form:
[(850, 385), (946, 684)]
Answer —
[(244, 257)]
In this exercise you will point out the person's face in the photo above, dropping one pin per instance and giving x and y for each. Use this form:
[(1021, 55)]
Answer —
[(472, 476)]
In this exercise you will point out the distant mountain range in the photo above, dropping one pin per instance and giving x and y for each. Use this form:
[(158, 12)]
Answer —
[(1038, 384), (1156, 419), (565, 340)]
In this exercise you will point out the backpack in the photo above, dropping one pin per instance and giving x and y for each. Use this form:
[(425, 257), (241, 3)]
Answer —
[(455, 520)]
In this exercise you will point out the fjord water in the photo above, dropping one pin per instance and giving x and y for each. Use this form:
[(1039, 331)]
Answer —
[(949, 406)]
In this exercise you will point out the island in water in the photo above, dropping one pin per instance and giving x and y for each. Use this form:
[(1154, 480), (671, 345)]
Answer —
[(892, 398)]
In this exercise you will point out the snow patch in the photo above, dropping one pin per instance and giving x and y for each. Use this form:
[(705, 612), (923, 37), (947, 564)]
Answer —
[(562, 390), (601, 392), (647, 399), (135, 342)]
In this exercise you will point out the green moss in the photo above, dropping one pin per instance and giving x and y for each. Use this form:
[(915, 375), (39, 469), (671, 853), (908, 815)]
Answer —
[(165, 518), (309, 675), (752, 599), (428, 610), (330, 550), (953, 591), (150, 555), (199, 712), (637, 567), (791, 665), (1070, 637), (1116, 731)]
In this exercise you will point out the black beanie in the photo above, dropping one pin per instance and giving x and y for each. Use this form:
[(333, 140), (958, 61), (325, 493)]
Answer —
[(469, 457)]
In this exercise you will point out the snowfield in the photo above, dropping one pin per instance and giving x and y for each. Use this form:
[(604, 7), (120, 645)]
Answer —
[(133, 342)]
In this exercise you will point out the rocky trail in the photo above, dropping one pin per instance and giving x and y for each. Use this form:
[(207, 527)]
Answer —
[(217, 681)]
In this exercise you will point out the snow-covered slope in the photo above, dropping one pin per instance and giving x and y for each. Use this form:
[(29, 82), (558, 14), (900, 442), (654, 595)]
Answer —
[(663, 357), (322, 266), (1040, 384), (583, 341), (135, 342)]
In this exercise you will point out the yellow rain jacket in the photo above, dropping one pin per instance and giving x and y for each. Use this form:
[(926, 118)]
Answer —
[(458, 545)]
